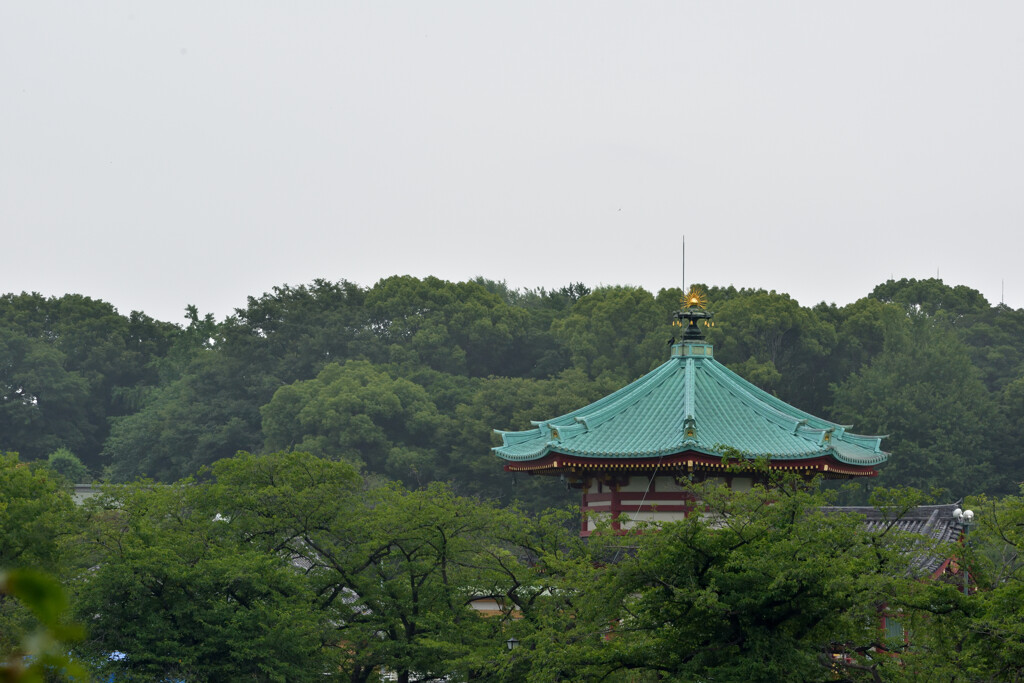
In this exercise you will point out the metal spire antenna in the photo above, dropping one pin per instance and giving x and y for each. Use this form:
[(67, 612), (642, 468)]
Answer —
[(684, 263)]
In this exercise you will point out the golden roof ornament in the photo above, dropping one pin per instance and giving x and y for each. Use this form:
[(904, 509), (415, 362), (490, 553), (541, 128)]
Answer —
[(695, 298), (695, 307)]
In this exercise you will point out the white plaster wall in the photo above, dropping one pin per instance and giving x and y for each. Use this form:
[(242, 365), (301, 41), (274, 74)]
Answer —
[(667, 484), (636, 483), (662, 483), (594, 518), (649, 517)]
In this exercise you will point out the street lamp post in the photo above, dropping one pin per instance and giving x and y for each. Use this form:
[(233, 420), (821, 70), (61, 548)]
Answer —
[(966, 518)]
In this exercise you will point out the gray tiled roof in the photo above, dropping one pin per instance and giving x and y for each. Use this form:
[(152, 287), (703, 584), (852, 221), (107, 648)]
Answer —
[(934, 523)]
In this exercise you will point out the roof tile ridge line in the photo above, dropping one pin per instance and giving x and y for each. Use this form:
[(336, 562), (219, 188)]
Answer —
[(876, 440), (624, 399), (754, 400), (537, 451), (752, 397), (777, 403), (515, 438), (689, 388)]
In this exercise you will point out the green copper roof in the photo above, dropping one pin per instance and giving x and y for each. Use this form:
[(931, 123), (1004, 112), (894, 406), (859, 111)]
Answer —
[(691, 403)]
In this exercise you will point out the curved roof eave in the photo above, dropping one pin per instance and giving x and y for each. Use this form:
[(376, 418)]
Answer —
[(549, 448)]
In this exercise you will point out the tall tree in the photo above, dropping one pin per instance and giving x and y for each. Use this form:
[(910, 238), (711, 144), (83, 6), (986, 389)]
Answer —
[(360, 413), (184, 597), (772, 341), (990, 645), (460, 328), (931, 297), (393, 571), (759, 586), (923, 391), (211, 412), (291, 332), (618, 332), (43, 405), (219, 375), (36, 519), (61, 348), (997, 335), (511, 403)]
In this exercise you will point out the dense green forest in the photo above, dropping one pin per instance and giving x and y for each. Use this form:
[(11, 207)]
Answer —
[(330, 507), (290, 567), (406, 379)]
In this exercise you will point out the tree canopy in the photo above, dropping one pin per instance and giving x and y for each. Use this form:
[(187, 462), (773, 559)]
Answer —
[(408, 377), (289, 566)]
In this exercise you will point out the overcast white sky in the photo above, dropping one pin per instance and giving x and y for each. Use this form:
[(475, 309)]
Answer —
[(161, 154)]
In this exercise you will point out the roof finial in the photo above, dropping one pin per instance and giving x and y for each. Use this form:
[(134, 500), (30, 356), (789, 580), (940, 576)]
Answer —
[(695, 307)]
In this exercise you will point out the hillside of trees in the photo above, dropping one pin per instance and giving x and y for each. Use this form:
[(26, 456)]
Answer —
[(406, 379)]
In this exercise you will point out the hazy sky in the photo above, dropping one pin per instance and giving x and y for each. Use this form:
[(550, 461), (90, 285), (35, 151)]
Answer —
[(161, 154)]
